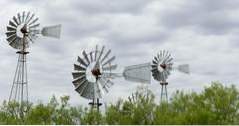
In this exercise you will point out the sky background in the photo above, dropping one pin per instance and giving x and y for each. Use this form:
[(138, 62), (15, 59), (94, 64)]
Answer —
[(202, 33)]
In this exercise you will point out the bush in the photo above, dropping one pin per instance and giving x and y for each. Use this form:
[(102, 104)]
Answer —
[(216, 104)]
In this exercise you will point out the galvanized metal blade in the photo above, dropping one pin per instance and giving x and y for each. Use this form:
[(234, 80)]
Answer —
[(91, 56), (79, 85), (19, 18), (34, 21), (11, 33), (34, 26), (101, 52), (111, 67), (23, 16), (15, 20), (79, 67), (27, 17), (27, 22), (109, 61), (12, 24), (78, 74), (81, 61), (106, 55), (11, 28), (86, 57), (96, 51)]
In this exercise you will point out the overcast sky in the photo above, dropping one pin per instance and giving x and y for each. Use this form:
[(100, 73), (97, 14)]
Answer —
[(202, 33)]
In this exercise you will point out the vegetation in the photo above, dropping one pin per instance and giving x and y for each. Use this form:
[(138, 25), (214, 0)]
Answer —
[(216, 104)]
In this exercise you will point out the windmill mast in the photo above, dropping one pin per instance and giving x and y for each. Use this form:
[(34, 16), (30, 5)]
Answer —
[(164, 92), (19, 90)]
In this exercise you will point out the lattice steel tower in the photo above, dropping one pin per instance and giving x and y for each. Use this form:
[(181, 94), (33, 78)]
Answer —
[(21, 31)]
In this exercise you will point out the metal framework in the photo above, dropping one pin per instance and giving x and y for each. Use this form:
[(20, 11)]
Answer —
[(19, 89), (164, 92), (21, 31)]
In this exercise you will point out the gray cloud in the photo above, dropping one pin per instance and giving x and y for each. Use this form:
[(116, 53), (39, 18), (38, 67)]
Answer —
[(206, 17)]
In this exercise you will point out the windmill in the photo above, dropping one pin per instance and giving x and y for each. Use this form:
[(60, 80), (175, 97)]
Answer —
[(22, 30), (92, 75), (162, 65), (160, 68)]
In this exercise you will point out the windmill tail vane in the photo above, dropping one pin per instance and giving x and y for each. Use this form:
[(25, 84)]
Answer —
[(184, 68), (52, 31), (138, 73)]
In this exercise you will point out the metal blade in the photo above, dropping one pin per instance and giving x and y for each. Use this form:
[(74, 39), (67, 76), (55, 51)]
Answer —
[(78, 80), (81, 61), (81, 86), (88, 92), (154, 62), (28, 14), (34, 26), (96, 51), (79, 68), (52, 31), (86, 57), (15, 20), (101, 52), (169, 60), (19, 18), (10, 34), (106, 55), (78, 85), (156, 59), (112, 67), (34, 21), (78, 74), (10, 29), (30, 18), (109, 61), (161, 54), (97, 90), (10, 39), (30, 38), (104, 85), (91, 57), (23, 16), (13, 43), (12, 24)]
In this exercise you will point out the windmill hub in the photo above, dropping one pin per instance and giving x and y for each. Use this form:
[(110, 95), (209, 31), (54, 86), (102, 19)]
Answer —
[(96, 72), (21, 30), (24, 29), (92, 73), (162, 67)]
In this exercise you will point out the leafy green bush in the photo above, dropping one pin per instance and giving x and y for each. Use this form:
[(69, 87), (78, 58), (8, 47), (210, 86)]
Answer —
[(216, 104)]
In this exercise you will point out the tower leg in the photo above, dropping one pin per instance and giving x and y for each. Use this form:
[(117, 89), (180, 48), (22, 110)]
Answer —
[(95, 104), (19, 89), (164, 92)]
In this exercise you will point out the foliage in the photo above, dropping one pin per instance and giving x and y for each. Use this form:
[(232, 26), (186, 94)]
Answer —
[(216, 104)]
